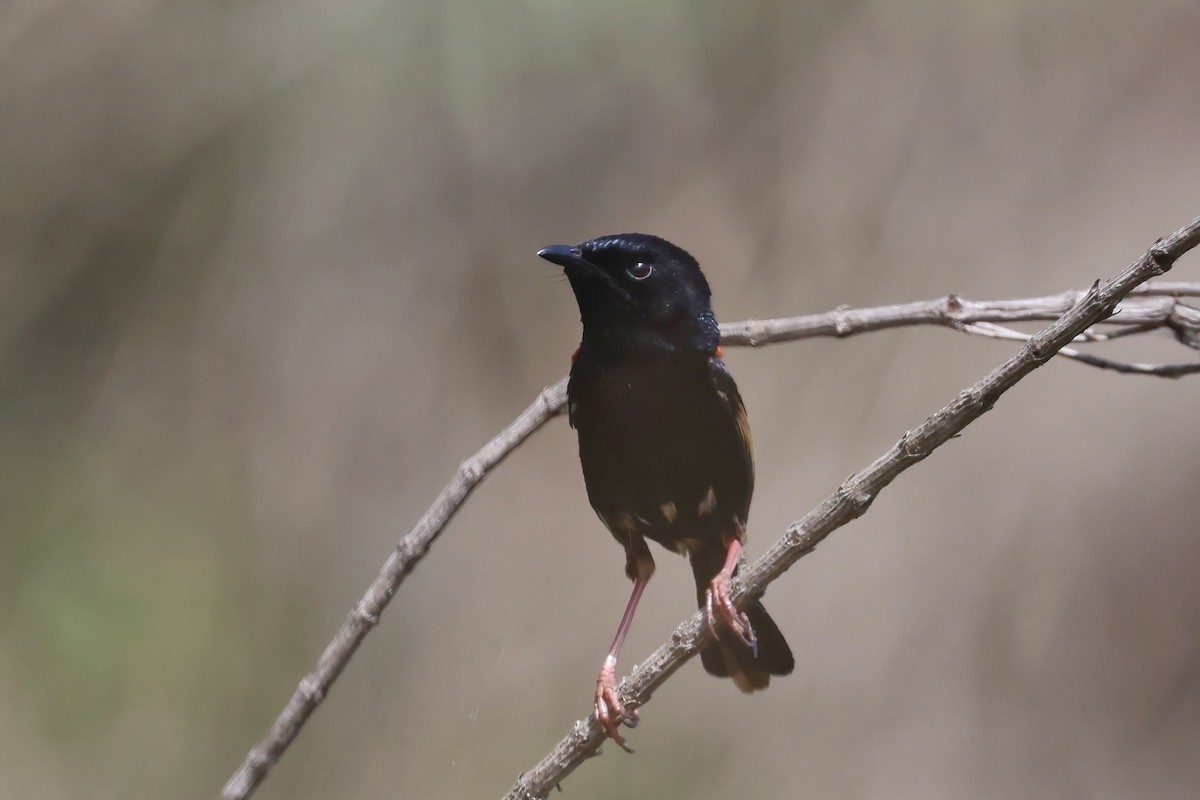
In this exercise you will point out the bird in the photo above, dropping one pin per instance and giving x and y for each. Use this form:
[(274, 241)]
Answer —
[(664, 444)]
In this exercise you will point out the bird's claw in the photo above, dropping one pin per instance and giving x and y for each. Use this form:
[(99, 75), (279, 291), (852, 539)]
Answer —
[(610, 712), (718, 601)]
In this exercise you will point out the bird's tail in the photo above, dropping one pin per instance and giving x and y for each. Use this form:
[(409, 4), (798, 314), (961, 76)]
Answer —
[(729, 657)]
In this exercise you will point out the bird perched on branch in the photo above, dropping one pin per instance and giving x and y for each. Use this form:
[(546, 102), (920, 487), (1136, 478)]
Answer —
[(664, 444)]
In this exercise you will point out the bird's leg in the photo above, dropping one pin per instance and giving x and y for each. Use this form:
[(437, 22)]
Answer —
[(718, 601), (610, 711)]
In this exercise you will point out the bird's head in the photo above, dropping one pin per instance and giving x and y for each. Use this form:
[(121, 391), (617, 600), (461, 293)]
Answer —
[(637, 290)]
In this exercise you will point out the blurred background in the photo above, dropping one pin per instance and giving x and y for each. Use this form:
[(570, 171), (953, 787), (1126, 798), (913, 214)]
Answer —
[(267, 276)]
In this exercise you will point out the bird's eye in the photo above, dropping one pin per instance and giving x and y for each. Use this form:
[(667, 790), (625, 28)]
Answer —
[(640, 271)]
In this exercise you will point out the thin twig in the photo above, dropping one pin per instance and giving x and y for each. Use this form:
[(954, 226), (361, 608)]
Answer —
[(1159, 308), (951, 311), (853, 497), (1093, 335), (993, 331), (1167, 289)]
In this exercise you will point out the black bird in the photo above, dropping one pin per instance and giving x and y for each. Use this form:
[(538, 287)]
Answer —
[(664, 443)]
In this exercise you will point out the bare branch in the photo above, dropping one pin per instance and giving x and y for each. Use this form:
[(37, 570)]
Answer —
[(1161, 311), (314, 686), (853, 497), (993, 331), (1161, 308), (1167, 289), (1093, 335)]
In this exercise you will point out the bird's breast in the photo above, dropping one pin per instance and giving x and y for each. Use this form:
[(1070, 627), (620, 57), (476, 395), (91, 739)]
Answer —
[(662, 453)]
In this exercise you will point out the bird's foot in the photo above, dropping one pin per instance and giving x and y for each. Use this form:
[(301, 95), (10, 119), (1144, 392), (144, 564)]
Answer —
[(610, 711), (717, 601)]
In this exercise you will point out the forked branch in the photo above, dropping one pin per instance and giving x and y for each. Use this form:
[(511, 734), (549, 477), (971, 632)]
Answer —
[(1157, 307), (853, 497)]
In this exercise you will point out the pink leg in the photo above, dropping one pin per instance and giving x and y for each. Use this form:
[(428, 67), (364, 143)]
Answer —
[(610, 711), (717, 599)]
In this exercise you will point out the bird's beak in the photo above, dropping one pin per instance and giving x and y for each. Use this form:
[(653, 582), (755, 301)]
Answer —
[(566, 256)]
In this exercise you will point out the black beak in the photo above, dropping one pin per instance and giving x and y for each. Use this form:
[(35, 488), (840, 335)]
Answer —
[(565, 255)]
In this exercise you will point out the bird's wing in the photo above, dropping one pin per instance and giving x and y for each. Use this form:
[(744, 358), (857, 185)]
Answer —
[(739, 473)]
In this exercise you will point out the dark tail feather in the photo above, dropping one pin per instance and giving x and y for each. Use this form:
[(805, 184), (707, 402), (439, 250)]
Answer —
[(729, 657)]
